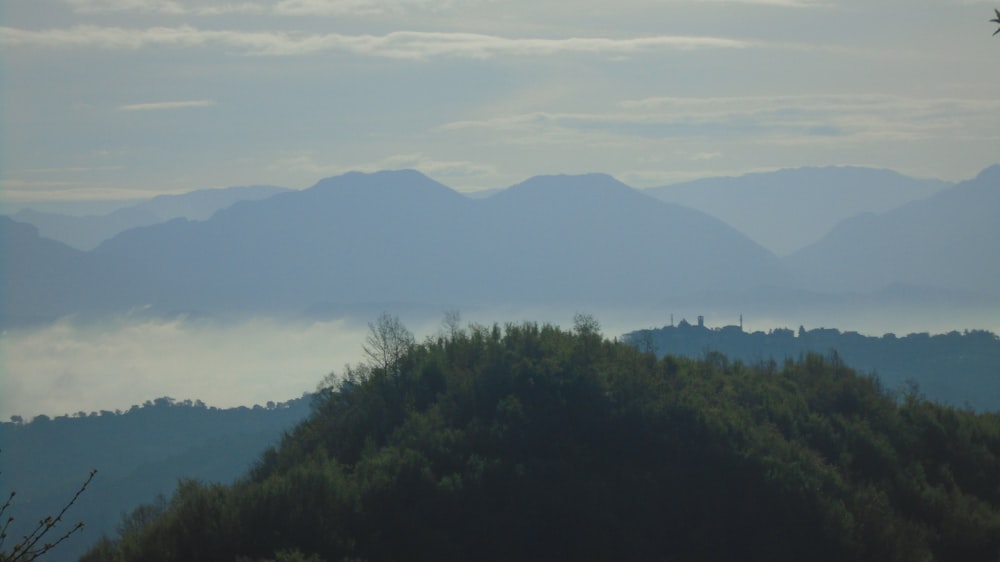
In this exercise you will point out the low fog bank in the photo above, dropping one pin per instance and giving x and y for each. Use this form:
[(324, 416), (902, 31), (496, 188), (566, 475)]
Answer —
[(71, 367), (75, 366)]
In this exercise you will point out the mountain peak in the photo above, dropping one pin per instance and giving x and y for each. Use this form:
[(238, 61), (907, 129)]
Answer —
[(570, 187), (392, 187), (572, 181), (990, 174), (375, 180)]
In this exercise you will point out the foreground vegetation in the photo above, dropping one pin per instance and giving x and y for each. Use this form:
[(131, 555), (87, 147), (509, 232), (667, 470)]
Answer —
[(529, 442)]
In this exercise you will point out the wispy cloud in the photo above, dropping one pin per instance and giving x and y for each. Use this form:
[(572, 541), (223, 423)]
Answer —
[(147, 6), (16, 190), (821, 119), (371, 7), (172, 7), (68, 169), (780, 3), (347, 7), (158, 106), (409, 45), (282, 7)]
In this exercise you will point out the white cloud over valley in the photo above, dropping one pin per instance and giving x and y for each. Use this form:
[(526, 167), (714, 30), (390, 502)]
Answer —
[(68, 367)]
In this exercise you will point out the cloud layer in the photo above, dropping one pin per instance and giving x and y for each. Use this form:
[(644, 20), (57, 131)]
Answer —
[(334, 7), (66, 368), (157, 106), (409, 45), (175, 95)]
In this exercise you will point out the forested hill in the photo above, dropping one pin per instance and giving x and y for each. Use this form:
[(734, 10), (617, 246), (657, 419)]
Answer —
[(961, 369), (530, 443), (138, 453)]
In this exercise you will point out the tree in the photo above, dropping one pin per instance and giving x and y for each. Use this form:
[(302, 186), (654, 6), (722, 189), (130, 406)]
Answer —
[(388, 340), (586, 324), (535, 443), (452, 323)]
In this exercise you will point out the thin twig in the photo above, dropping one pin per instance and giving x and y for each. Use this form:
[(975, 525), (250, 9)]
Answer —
[(25, 550)]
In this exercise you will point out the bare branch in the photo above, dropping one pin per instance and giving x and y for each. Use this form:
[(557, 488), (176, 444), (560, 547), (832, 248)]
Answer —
[(388, 340), (28, 548)]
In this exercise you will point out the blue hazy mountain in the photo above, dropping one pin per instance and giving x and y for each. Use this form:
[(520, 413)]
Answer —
[(32, 271), (402, 237), (43, 279), (203, 203), (788, 209), (352, 238), (86, 232), (594, 239), (588, 241), (947, 241)]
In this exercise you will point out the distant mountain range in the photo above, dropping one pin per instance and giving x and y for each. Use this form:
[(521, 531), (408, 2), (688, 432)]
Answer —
[(787, 210), (400, 236), (575, 241), (948, 240), (87, 231)]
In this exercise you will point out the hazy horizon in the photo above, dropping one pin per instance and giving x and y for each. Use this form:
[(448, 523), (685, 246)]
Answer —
[(72, 366), (98, 205)]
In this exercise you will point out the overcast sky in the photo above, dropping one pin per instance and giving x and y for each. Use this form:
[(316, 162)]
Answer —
[(119, 98)]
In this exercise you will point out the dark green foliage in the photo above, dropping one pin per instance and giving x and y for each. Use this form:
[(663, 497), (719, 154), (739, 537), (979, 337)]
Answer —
[(528, 442)]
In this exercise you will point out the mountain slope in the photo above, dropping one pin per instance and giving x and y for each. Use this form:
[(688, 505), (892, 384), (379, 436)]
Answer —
[(41, 279), (85, 232), (788, 209), (948, 240), (399, 236), (596, 239), (356, 237), (88, 231), (203, 203)]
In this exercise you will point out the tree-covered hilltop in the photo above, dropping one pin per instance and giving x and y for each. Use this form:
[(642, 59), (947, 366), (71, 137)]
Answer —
[(958, 368), (529, 442), (138, 453)]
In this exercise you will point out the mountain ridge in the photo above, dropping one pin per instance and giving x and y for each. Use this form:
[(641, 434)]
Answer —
[(562, 240), (946, 240), (813, 200), (86, 232), (400, 236)]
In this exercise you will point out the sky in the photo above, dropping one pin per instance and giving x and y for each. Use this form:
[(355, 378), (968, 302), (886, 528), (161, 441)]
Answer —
[(113, 99)]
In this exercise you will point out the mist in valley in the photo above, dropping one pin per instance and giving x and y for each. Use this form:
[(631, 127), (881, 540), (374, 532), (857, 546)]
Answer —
[(73, 366), (69, 367)]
